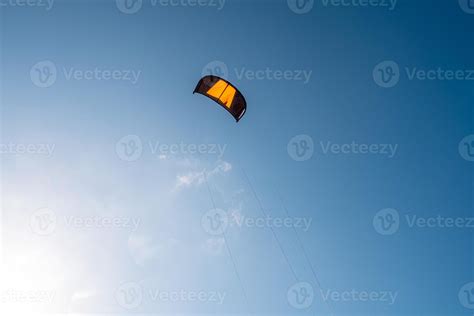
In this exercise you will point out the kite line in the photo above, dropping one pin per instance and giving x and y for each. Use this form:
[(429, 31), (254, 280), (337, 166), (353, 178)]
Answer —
[(271, 228), (227, 246), (305, 253)]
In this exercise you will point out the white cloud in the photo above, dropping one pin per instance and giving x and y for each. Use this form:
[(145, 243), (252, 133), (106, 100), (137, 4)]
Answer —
[(223, 166), (143, 248), (214, 246), (83, 294), (198, 177), (190, 179)]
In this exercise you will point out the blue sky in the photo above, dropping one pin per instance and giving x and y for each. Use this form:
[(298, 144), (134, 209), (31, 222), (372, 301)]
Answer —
[(111, 167)]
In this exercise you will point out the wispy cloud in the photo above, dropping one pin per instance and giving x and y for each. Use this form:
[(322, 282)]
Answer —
[(198, 177), (143, 248), (189, 179), (83, 295), (214, 246)]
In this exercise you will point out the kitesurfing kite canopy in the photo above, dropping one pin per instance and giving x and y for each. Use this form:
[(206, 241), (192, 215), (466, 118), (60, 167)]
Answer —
[(224, 93)]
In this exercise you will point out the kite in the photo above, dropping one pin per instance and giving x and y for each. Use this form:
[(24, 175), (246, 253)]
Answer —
[(223, 93)]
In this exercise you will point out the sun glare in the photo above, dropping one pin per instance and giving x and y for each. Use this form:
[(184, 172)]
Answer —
[(30, 280)]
